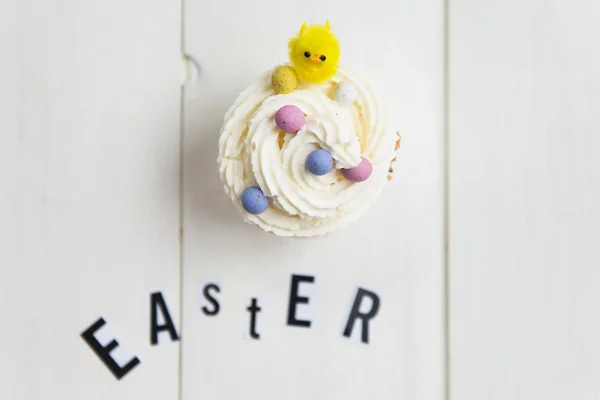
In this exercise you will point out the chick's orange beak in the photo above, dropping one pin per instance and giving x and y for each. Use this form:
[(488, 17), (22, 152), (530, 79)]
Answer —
[(316, 58)]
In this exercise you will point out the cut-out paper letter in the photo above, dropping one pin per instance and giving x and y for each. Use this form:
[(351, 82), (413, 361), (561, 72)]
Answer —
[(103, 352), (363, 316), (253, 309), (157, 300), (295, 299), (211, 299)]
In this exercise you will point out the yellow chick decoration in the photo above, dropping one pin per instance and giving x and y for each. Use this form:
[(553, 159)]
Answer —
[(315, 53)]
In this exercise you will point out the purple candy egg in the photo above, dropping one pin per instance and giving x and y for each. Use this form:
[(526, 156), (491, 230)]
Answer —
[(289, 119), (360, 173)]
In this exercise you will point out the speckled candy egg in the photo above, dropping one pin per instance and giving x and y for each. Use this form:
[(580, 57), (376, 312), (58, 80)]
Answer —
[(284, 79), (254, 201), (289, 119), (360, 173), (346, 93), (319, 162)]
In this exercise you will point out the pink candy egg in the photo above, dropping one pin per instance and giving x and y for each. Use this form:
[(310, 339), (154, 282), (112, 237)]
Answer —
[(289, 119), (360, 173)]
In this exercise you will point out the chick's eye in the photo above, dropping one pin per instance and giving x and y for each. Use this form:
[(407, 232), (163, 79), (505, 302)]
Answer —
[(323, 58), (306, 54)]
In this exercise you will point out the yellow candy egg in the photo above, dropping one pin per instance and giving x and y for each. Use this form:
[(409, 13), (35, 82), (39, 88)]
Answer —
[(284, 79)]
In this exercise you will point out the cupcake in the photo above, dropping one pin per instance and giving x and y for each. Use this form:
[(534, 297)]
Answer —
[(305, 149)]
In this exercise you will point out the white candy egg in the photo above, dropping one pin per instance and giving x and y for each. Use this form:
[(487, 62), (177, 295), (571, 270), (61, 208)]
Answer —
[(346, 93)]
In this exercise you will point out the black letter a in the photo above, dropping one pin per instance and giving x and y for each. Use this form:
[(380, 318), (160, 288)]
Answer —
[(156, 299)]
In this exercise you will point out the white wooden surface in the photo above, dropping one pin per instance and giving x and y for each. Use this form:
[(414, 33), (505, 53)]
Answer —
[(89, 194), (89, 204), (525, 189), (398, 46)]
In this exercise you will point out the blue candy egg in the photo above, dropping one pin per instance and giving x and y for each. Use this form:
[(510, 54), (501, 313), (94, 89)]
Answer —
[(254, 200), (319, 162)]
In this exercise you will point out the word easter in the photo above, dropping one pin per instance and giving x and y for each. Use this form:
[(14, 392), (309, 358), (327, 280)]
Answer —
[(157, 304)]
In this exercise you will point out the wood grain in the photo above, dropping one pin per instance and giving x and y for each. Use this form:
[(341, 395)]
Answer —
[(89, 194), (524, 195)]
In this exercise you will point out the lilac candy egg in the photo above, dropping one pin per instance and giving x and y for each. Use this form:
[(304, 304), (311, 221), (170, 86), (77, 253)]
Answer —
[(289, 119), (254, 201), (360, 173), (319, 162)]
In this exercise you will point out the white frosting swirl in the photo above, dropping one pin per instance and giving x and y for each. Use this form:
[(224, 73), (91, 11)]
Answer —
[(254, 152)]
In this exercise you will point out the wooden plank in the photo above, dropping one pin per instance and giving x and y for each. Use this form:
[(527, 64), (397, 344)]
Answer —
[(525, 189), (89, 183), (395, 250)]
